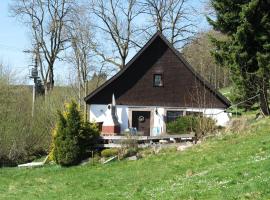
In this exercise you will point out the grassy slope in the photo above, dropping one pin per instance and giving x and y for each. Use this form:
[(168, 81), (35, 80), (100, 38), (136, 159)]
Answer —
[(235, 166)]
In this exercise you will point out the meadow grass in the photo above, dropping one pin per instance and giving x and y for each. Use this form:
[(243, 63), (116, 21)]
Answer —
[(228, 166)]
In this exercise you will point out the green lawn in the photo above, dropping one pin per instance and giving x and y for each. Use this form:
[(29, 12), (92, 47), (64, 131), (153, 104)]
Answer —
[(235, 166)]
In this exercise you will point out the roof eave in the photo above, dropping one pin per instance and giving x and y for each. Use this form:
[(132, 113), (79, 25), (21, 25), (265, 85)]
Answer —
[(88, 97), (177, 53)]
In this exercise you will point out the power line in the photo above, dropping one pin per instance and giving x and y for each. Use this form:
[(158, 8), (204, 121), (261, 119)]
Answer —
[(245, 100), (235, 105)]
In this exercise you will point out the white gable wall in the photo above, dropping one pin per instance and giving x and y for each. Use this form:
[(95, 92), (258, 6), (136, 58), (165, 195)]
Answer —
[(99, 112), (218, 114)]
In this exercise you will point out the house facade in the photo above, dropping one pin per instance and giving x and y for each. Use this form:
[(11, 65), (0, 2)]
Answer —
[(155, 87)]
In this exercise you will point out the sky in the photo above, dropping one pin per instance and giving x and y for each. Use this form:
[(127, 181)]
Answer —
[(15, 38)]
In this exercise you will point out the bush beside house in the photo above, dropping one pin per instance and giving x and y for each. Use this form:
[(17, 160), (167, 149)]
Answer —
[(187, 124), (72, 137)]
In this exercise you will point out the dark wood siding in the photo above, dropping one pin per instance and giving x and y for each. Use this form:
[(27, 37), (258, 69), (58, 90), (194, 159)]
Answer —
[(181, 88)]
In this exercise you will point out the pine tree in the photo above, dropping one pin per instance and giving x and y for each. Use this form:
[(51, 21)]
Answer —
[(247, 51), (72, 137)]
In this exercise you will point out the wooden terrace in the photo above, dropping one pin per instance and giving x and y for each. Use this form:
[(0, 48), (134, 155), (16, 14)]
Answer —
[(143, 141)]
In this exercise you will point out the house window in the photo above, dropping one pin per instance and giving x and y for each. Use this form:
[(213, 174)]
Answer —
[(196, 114), (158, 80), (172, 115)]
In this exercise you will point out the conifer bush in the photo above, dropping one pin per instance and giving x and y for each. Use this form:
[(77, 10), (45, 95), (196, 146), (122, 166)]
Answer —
[(72, 137)]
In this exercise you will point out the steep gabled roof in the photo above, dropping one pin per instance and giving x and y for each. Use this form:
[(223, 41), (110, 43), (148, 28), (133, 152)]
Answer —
[(177, 53)]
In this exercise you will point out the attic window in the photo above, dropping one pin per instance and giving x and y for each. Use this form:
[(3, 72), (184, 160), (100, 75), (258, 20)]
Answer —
[(158, 80)]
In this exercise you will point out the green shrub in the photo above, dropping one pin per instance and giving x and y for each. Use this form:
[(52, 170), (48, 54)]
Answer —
[(71, 137), (131, 152), (21, 137), (24, 138), (129, 142), (182, 125), (88, 137), (129, 147), (109, 152), (186, 124)]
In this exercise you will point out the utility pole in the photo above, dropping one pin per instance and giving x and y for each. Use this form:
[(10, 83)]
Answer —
[(34, 75)]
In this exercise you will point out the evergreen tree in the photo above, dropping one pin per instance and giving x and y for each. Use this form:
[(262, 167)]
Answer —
[(247, 51), (72, 137)]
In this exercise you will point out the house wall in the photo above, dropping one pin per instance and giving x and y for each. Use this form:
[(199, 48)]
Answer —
[(221, 117), (99, 112), (181, 87)]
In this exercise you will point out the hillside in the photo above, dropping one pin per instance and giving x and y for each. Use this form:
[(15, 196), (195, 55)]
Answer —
[(229, 166)]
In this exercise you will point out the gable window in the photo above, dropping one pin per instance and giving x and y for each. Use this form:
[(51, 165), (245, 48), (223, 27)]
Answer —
[(172, 115), (158, 80)]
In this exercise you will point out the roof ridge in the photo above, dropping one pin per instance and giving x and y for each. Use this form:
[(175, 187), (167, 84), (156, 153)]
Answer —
[(177, 53), (158, 33), (202, 79)]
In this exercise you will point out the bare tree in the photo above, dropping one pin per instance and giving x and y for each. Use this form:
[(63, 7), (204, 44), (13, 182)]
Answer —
[(46, 19), (115, 20), (198, 54), (7, 76), (173, 18), (200, 99), (81, 52), (208, 9)]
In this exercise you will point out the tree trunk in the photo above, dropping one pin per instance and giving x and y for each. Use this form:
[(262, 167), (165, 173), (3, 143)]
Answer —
[(79, 94), (49, 83), (46, 88), (51, 78), (264, 99), (85, 104)]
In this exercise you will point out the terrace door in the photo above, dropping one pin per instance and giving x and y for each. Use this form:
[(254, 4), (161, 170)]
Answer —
[(141, 120)]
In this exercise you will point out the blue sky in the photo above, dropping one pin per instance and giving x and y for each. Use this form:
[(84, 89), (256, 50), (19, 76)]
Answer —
[(14, 38)]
